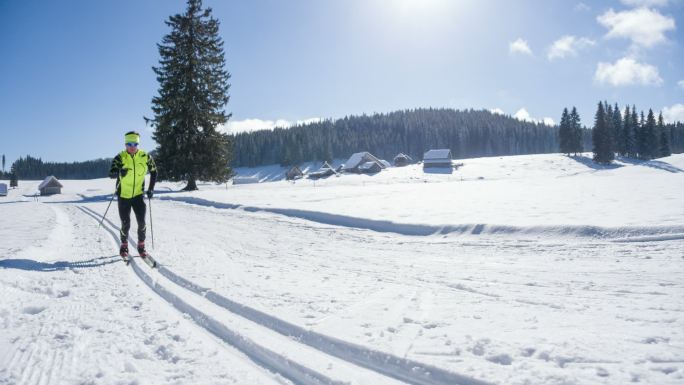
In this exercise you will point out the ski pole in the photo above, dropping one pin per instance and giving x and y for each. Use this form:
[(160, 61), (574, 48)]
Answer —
[(151, 226), (105, 213)]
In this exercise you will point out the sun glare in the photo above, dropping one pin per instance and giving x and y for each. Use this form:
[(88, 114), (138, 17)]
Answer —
[(411, 7)]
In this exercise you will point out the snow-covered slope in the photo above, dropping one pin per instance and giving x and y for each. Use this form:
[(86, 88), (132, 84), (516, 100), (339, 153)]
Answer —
[(510, 270), (535, 194)]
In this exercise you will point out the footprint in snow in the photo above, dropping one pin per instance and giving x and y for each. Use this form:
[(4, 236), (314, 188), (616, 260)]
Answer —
[(33, 310)]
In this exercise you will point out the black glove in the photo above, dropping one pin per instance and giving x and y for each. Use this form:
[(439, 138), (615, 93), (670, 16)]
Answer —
[(113, 175), (123, 172), (149, 194)]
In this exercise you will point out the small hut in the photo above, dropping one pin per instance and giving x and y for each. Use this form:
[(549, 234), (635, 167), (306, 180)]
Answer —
[(50, 185), (402, 160), (356, 160), (325, 171), (370, 168), (294, 173), (437, 158)]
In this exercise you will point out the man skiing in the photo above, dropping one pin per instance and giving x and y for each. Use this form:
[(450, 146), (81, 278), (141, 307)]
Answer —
[(129, 168)]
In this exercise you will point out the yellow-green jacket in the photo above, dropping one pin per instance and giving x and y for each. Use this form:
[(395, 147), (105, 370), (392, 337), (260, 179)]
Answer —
[(136, 166)]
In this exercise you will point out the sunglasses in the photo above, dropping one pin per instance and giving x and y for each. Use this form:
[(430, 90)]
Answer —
[(132, 144)]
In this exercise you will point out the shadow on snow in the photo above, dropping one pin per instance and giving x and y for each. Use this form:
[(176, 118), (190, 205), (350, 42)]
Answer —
[(28, 264), (589, 162), (657, 164)]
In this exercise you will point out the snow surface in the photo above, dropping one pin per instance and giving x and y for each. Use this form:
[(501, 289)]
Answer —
[(538, 269)]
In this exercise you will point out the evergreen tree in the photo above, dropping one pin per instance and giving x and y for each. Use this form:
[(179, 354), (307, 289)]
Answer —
[(664, 149), (642, 148), (193, 90), (565, 133), (3, 162), (636, 131), (628, 134), (650, 136), (576, 129), (14, 182), (601, 137), (618, 132), (609, 126)]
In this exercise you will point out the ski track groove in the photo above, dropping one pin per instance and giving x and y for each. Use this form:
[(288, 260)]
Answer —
[(610, 233), (25, 372), (12, 361), (269, 360), (399, 368)]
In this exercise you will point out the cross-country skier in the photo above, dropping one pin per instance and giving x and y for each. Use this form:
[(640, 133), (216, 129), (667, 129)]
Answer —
[(129, 168)]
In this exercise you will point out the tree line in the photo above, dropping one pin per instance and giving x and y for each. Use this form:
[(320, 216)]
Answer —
[(467, 133), (628, 134), (30, 168)]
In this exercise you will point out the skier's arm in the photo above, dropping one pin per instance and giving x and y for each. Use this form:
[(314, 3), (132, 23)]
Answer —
[(116, 166), (153, 172)]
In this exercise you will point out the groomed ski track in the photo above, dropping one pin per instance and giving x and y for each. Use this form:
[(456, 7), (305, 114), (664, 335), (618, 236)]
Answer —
[(280, 346)]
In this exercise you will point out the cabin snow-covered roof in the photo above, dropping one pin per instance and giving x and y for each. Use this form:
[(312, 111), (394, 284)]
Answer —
[(358, 158), (437, 154), (50, 181)]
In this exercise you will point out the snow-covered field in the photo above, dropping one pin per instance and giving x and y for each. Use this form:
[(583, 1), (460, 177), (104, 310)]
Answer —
[(537, 269)]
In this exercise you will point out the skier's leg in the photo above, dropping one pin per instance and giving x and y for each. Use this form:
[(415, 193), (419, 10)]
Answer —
[(139, 208), (125, 215)]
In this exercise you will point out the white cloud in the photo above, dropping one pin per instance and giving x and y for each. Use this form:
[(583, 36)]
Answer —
[(674, 113), (645, 27), (645, 3), (519, 46), (582, 7), (522, 114), (568, 46), (627, 71), (548, 121), (249, 125), (681, 84), (498, 111)]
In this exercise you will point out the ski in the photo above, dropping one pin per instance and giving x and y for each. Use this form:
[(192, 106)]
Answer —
[(126, 258), (149, 260)]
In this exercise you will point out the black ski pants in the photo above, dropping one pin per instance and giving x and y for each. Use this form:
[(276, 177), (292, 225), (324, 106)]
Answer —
[(138, 205)]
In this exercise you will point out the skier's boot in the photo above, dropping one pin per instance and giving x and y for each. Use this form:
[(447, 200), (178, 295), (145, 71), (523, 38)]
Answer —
[(141, 249), (123, 251)]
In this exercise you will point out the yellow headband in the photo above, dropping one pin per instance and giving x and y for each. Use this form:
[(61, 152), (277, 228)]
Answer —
[(132, 138)]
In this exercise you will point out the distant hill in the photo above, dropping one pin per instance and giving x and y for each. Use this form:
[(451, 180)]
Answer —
[(468, 133)]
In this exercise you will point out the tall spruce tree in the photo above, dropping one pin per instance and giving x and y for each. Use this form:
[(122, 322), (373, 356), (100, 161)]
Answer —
[(642, 148), (3, 162), (565, 134), (193, 91), (618, 132), (636, 131), (664, 149), (576, 130), (650, 136), (609, 125), (627, 133), (603, 152)]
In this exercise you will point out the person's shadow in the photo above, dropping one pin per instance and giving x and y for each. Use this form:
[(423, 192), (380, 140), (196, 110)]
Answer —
[(28, 264)]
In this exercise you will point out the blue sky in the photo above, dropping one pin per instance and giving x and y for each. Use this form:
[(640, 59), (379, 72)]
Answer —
[(76, 74)]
